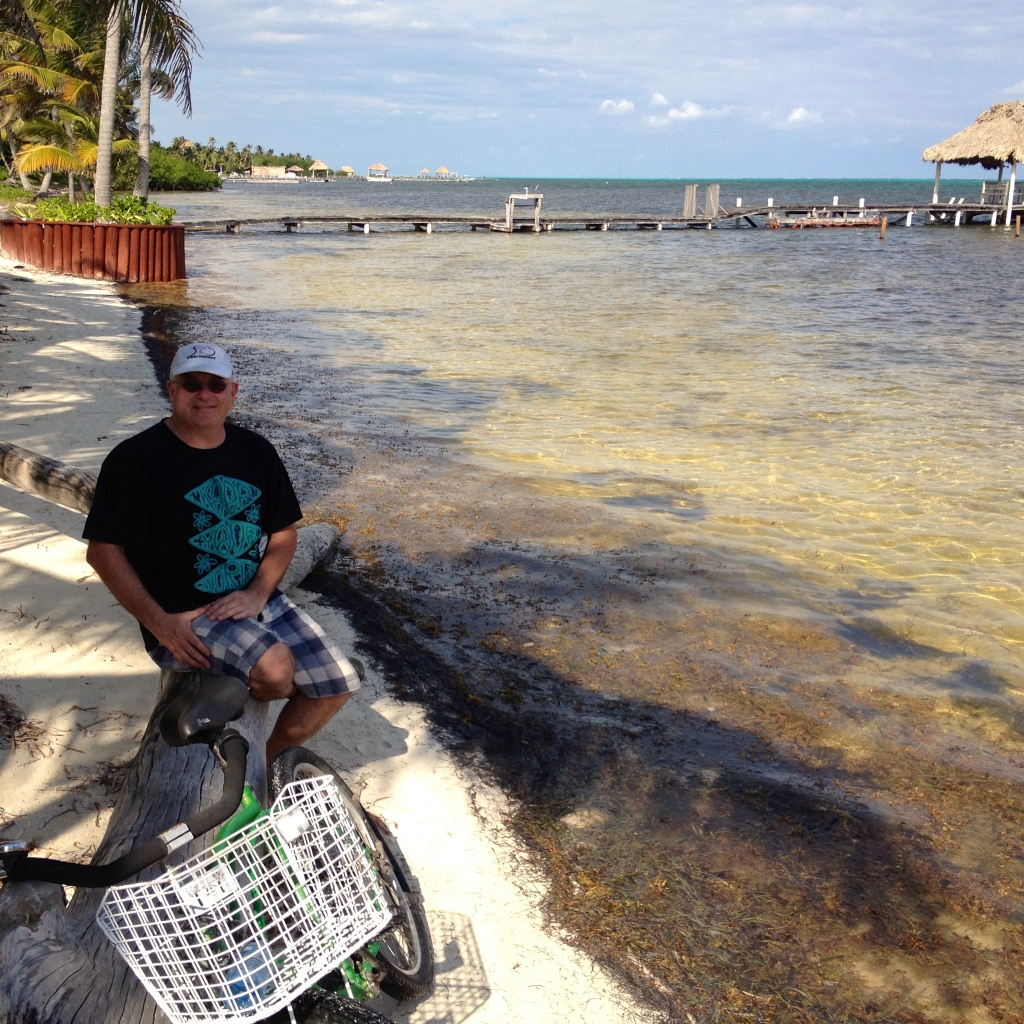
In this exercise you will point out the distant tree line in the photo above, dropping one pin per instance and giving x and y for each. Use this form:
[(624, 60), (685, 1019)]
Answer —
[(230, 158)]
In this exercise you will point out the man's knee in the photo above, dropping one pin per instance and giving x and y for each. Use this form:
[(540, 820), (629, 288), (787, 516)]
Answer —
[(273, 676)]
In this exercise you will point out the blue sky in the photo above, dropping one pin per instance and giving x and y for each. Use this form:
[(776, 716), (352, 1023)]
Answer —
[(604, 88)]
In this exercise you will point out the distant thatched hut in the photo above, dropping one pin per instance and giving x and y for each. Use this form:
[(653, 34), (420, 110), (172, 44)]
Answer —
[(378, 172), (993, 141), (347, 172), (267, 171), (319, 167), (294, 171), (442, 172), (424, 172)]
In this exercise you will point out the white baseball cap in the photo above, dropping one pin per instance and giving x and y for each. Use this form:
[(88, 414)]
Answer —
[(201, 359)]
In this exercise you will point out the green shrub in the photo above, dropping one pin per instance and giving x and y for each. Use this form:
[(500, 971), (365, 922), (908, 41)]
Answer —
[(133, 210), (171, 172), (168, 172), (123, 210), (13, 192)]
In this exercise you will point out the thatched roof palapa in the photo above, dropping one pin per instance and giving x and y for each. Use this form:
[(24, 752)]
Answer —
[(318, 165), (442, 170), (378, 167), (295, 169), (426, 170), (995, 139)]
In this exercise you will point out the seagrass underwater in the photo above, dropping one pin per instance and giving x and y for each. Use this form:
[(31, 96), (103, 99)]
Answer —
[(726, 521)]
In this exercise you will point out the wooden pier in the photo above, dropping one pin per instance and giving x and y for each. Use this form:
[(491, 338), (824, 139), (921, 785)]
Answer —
[(955, 213)]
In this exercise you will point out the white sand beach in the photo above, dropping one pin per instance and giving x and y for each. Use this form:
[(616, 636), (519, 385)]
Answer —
[(74, 380)]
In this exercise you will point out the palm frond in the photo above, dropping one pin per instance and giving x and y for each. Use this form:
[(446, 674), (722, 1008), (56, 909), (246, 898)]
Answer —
[(42, 78), (42, 157)]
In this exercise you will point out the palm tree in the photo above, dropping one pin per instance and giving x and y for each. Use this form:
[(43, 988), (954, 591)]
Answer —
[(66, 141), (145, 128), (46, 68), (171, 44)]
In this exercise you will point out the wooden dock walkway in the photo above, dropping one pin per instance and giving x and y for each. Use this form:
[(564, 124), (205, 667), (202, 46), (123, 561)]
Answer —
[(755, 217)]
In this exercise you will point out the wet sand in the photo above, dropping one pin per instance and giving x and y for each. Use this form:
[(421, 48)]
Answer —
[(77, 688)]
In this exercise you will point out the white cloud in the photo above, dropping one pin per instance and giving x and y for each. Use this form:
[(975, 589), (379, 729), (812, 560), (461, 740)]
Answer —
[(801, 115), (617, 107), (277, 37), (657, 100), (688, 111)]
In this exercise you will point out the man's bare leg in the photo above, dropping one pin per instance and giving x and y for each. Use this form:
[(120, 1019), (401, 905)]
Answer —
[(273, 678), (301, 718)]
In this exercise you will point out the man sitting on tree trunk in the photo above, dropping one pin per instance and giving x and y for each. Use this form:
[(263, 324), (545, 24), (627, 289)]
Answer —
[(192, 529)]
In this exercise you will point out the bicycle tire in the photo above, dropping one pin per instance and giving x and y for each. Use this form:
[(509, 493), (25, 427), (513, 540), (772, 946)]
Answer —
[(319, 1007), (405, 948)]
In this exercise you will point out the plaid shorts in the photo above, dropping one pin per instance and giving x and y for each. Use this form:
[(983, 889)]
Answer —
[(235, 645)]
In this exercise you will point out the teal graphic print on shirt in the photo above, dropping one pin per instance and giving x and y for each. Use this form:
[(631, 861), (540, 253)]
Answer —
[(229, 546)]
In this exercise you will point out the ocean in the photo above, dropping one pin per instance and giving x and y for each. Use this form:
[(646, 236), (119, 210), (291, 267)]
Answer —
[(833, 420)]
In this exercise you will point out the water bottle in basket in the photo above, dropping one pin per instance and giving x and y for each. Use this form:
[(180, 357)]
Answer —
[(251, 985)]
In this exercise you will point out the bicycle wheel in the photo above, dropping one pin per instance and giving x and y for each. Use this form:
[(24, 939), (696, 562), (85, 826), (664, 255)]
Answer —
[(319, 1007), (405, 947)]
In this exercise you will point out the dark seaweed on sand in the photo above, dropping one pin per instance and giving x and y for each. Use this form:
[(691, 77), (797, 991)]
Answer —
[(720, 881)]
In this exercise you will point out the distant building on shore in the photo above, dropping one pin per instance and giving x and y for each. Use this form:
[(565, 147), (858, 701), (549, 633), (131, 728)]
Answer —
[(347, 172), (319, 170), (378, 171), (268, 171)]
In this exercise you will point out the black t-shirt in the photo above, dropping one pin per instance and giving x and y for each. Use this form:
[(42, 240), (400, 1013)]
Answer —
[(193, 522)]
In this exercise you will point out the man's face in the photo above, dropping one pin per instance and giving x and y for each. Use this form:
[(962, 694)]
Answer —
[(194, 403)]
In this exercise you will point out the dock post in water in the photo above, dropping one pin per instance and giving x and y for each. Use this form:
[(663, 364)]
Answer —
[(711, 206), (510, 211), (690, 202)]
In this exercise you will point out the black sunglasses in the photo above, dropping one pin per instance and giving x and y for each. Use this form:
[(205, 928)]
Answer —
[(215, 385)]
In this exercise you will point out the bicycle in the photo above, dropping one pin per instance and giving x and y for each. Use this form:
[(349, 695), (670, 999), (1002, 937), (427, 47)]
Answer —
[(305, 906)]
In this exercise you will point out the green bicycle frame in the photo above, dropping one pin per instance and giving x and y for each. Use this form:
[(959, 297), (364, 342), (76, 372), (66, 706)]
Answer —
[(358, 980)]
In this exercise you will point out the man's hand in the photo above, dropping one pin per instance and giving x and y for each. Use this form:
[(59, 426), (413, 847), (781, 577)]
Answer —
[(174, 631), (248, 603), (239, 604)]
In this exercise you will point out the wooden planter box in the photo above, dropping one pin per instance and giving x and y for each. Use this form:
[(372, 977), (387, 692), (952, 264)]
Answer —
[(104, 252)]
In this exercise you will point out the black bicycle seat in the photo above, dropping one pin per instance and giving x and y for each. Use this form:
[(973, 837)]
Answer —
[(199, 717)]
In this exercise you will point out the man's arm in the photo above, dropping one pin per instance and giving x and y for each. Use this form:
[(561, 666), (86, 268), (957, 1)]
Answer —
[(174, 631), (247, 603)]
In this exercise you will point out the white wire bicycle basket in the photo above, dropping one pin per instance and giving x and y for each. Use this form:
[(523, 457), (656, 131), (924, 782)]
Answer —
[(239, 930)]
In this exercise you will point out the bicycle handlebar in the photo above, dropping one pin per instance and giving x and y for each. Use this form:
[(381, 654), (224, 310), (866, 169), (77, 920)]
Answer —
[(234, 749)]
